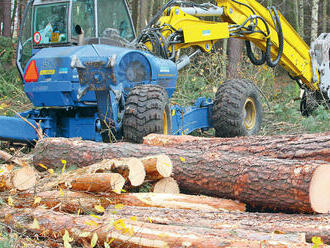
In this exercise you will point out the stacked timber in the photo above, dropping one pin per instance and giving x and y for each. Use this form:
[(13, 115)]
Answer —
[(87, 194), (265, 183)]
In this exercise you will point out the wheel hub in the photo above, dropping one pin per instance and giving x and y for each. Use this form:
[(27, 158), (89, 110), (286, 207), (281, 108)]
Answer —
[(250, 114)]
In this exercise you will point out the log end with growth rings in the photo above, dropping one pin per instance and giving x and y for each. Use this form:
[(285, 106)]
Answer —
[(319, 191), (25, 178)]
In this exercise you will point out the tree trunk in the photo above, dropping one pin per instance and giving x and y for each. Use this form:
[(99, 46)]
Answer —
[(267, 183), (6, 18), (135, 13), (130, 233), (325, 16), (235, 48), (71, 202), (311, 225), (301, 18), (315, 20), (143, 14), (302, 147)]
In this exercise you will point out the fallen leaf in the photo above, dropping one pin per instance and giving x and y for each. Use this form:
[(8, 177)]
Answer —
[(10, 201), (99, 208), (35, 224), (94, 240), (37, 200)]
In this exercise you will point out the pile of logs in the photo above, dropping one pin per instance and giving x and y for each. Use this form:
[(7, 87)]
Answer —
[(171, 191)]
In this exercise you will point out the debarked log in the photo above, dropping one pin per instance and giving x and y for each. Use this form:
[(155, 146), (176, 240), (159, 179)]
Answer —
[(73, 202)]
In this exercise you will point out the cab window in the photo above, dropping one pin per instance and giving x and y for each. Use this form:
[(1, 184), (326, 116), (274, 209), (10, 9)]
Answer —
[(50, 21), (83, 15), (113, 15)]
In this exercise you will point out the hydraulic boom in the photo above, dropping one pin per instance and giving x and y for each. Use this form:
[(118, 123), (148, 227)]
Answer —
[(180, 27)]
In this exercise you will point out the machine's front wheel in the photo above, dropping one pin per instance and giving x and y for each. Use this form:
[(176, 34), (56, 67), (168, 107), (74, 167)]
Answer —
[(237, 110), (147, 111)]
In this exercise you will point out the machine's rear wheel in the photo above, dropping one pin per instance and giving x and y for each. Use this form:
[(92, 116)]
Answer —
[(237, 110), (147, 111)]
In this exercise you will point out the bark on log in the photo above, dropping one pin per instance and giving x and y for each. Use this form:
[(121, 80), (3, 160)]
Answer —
[(268, 183), (100, 182), (20, 179), (166, 185), (302, 147), (311, 225), (129, 233), (73, 201)]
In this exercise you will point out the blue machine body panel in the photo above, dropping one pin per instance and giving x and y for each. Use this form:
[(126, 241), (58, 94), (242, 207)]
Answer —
[(16, 129), (78, 84)]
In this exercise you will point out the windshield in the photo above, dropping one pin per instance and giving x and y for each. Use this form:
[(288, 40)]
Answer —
[(83, 15), (113, 15), (50, 24)]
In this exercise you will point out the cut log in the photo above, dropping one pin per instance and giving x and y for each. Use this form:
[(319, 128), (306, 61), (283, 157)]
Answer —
[(5, 177), (130, 233), (100, 182), (24, 178), (266, 183), (166, 185), (303, 147), (6, 157), (131, 168), (311, 225), (157, 166), (73, 201), (20, 179)]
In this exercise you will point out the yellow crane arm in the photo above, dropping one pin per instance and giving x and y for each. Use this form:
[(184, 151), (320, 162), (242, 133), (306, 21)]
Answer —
[(180, 26)]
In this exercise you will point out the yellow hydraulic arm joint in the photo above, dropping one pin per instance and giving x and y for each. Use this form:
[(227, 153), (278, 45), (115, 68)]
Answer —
[(181, 27), (295, 59)]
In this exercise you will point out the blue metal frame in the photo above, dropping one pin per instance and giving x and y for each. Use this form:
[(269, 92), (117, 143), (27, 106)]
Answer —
[(80, 86)]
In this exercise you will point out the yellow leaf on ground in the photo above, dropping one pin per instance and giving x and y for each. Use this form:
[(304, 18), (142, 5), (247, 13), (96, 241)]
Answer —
[(95, 216), (61, 192), (182, 159), (43, 166), (91, 223), (35, 224), (67, 239), (51, 171), (134, 218), (99, 208), (37, 200), (119, 206), (94, 240), (10, 201)]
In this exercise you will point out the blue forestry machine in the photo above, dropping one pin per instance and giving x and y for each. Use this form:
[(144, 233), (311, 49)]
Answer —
[(89, 76)]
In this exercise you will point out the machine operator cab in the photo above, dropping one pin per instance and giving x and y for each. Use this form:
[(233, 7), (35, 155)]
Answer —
[(51, 23)]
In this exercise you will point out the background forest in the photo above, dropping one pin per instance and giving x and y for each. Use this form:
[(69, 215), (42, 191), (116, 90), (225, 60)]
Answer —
[(228, 60)]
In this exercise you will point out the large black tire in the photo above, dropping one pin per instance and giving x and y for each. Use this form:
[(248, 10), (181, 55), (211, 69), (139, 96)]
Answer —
[(237, 110), (147, 111)]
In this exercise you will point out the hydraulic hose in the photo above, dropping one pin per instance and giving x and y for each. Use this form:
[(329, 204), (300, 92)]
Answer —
[(251, 56), (278, 26)]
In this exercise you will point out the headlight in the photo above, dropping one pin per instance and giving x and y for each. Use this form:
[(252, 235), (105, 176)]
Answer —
[(134, 67)]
